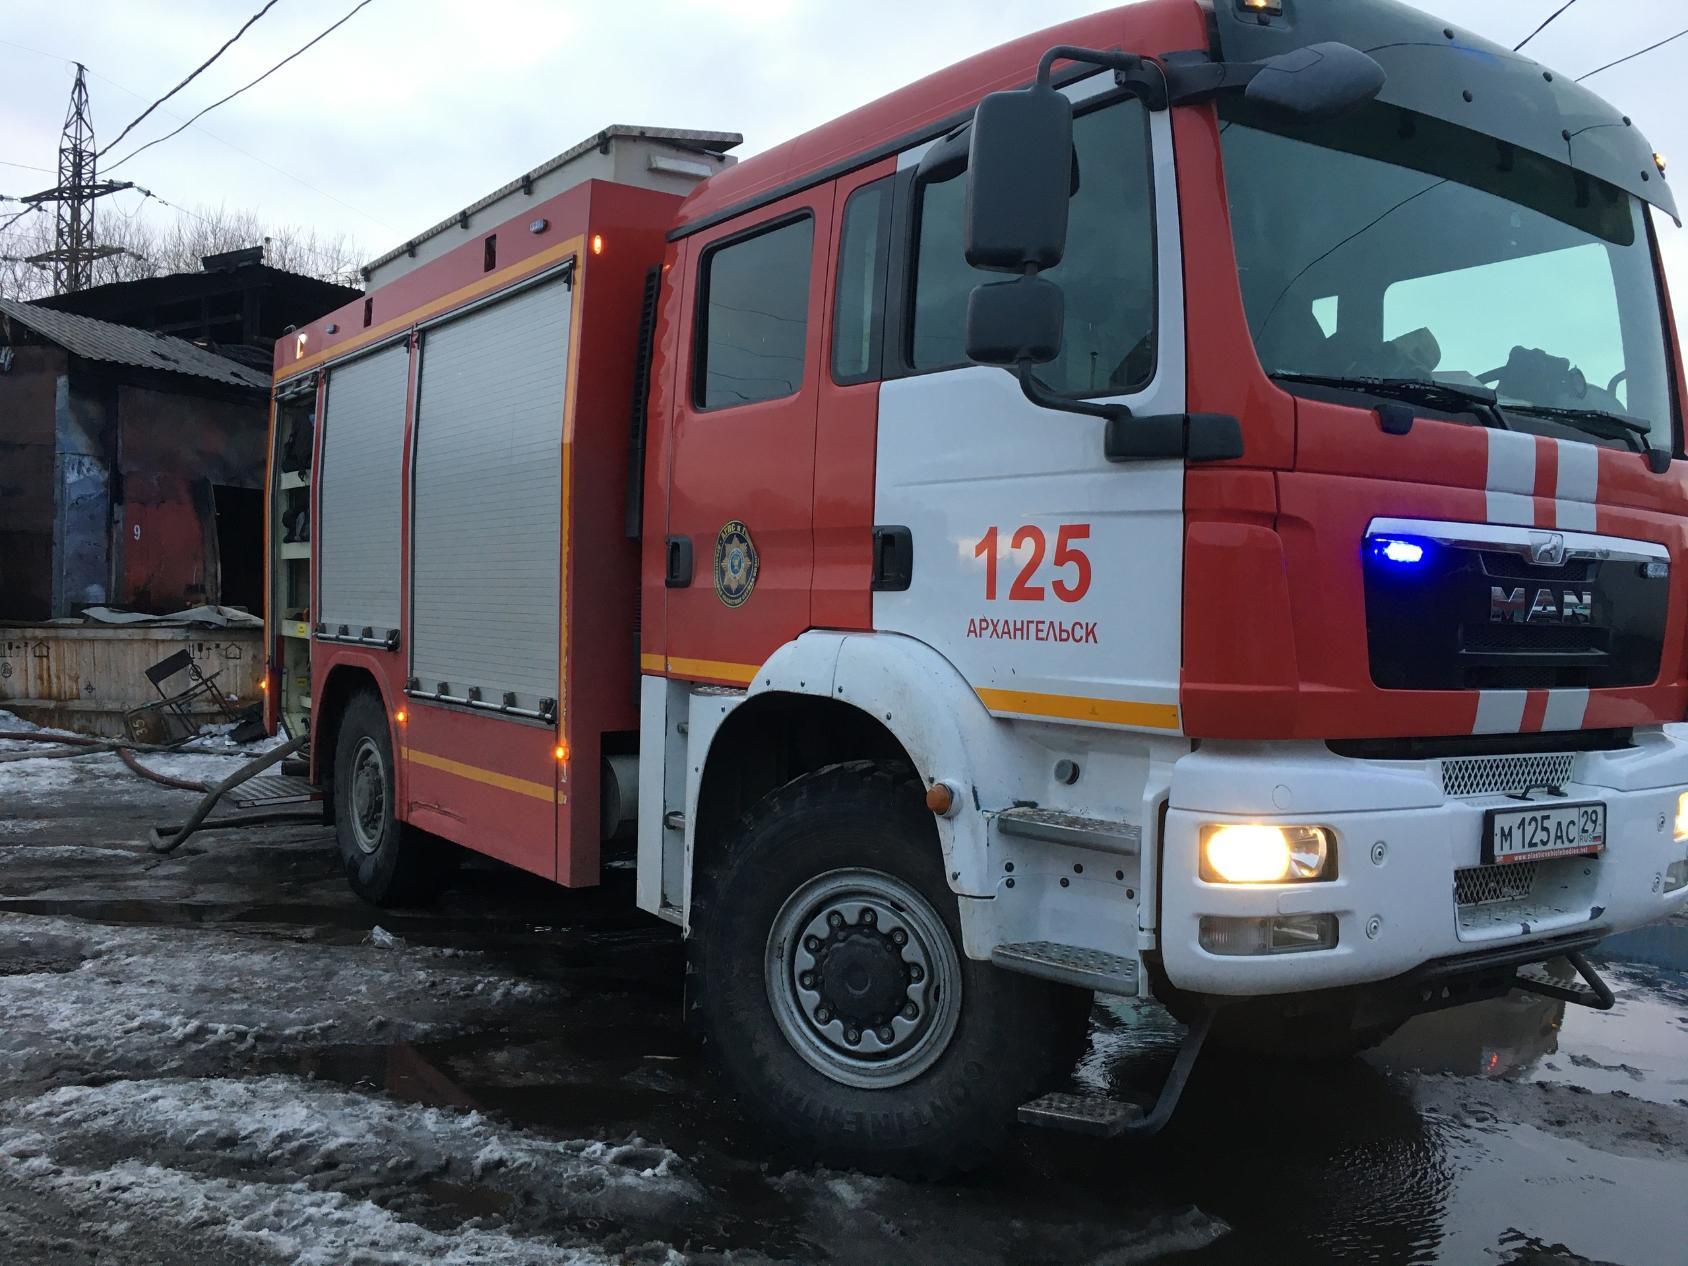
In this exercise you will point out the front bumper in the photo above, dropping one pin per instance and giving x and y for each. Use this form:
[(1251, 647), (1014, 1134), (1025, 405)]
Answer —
[(1401, 840)]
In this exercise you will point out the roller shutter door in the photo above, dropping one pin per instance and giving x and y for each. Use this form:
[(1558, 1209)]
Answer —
[(358, 508), (488, 501)]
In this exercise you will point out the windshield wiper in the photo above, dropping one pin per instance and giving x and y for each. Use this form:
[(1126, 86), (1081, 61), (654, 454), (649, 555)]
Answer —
[(1613, 426), (1446, 396)]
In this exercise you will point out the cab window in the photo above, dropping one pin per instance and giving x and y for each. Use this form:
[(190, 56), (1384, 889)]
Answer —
[(753, 317), (1107, 274)]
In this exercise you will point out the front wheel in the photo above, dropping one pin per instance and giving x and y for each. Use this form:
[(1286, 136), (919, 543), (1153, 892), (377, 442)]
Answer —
[(828, 973)]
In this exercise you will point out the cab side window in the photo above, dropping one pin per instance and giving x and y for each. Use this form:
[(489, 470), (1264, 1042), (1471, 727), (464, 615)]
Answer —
[(859, 298), (753, 324), (1107, 273)]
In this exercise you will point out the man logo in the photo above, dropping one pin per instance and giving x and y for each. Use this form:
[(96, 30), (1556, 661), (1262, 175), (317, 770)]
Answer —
[(1568, 606), (1547, 549)]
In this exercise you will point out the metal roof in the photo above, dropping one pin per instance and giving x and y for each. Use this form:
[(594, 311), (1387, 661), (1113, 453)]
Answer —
[(122, 345), (713, 142)]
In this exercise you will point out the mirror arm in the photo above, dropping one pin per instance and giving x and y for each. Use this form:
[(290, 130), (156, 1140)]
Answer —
[(1109, 59), (1195, 77), (1194, 437), (1041, 396)]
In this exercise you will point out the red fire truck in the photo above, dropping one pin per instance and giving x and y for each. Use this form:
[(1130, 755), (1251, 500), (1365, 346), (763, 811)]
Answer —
[(1186, 504)]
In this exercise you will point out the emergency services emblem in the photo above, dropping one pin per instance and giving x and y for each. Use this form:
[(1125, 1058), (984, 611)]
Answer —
[(735, 564)]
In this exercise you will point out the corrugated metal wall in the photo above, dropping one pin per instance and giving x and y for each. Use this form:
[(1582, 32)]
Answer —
[(488, 499), (359, 504)]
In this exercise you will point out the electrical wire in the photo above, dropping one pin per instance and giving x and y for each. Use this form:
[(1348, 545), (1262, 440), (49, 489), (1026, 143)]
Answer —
[(260, 79), (270, 4), (1632, 56), (26, 166), (1550, 20), (34, 206), (205, 131)]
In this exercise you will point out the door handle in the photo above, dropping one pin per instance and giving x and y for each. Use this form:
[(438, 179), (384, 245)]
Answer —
[(893, 559), (679, 568)]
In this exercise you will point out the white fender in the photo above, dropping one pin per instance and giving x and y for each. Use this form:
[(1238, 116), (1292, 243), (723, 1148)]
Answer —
[(931, 710)]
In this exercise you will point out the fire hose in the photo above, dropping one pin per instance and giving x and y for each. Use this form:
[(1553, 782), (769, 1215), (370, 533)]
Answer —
[(73, 745)]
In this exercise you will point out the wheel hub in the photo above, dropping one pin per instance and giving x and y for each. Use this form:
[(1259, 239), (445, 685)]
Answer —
[(861, 977), (864, 978), (368, 795)]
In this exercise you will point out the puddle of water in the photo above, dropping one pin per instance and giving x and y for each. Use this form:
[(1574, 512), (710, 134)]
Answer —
[(1517, 1178), (1661, 945), (1639, 1048)]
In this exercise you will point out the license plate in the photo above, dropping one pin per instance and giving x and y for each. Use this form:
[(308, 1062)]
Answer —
[(1543, 830)]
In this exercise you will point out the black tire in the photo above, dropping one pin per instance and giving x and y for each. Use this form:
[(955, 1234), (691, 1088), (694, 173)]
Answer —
[(387, 863), (975, 1054)]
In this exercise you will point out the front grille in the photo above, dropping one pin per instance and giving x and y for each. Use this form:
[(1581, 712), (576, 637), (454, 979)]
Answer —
[(1488, 885), (1502, 564), (1564, 639), (1470, 617), (1505, 775)]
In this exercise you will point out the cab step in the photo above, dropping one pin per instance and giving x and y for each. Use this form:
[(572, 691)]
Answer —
[(1096, 970), (278, 789), (1081, 1114), (1116, 1118), (1051, 826)]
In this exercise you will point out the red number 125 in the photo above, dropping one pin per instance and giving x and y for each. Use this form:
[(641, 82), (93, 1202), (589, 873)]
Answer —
[(1031, 536)]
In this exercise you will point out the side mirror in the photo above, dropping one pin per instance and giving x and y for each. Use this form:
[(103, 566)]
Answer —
[(1019, 177), (1317, 82), (1014, 322)]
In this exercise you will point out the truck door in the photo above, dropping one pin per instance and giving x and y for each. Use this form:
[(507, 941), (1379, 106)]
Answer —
[(1051, 577), (740, 532)]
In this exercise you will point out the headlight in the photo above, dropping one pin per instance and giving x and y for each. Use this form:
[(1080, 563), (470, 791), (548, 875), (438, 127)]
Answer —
[(1682, 816), (1252, 854)]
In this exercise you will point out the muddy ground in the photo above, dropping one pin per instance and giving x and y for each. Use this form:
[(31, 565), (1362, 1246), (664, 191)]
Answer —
[(224, 1057)]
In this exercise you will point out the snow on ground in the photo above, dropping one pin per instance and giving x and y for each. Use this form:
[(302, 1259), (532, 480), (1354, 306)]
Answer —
[(209, 758), (321, 1168), (262, 1222), (125, 999)]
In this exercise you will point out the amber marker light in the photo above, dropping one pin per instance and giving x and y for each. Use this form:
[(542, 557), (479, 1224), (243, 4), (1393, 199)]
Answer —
[(562, 753), (597, 243), (401, 716)]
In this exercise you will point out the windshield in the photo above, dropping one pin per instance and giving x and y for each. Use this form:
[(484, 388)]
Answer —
[(1387, 245)]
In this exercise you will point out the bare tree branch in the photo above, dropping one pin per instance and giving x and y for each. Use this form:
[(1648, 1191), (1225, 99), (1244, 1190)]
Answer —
[(151, 248)]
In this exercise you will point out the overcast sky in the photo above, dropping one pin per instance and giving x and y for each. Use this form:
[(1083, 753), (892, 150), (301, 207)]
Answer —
[(415, 108)]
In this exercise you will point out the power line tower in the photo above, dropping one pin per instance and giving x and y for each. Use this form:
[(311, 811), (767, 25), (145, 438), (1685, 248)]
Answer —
[(73, 254)]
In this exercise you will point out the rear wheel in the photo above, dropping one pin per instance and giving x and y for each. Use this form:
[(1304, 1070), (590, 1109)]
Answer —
[(387, 862), (831, 983)]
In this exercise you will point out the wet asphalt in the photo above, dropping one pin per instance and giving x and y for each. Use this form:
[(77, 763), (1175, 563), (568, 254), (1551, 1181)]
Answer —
[(225, 1057)]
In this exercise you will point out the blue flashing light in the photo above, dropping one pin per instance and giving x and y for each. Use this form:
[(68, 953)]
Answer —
[(1403, 553)]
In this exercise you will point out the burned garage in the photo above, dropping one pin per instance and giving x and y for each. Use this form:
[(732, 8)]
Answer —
[(131, 468)]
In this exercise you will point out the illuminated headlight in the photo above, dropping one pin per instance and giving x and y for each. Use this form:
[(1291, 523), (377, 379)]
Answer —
[(1239, 853), (1682, 817), (1284, 934), (1676, 875)]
